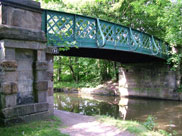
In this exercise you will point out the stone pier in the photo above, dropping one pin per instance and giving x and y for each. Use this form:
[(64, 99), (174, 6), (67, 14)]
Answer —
[(26, 65), (150, 80)]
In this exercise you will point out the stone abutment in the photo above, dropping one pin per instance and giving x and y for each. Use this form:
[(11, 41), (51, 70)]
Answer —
[(149, 80), (26, 65)]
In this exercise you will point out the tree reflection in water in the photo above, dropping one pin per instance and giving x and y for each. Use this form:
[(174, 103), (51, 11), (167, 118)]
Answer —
[(168, 113), (73, 103)]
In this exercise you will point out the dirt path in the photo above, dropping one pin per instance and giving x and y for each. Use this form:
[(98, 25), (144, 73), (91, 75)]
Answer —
[(81, 125)]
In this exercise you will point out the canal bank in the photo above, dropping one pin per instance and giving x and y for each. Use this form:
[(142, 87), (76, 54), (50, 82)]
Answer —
[(81, 125), (112, 88), (129, 109)]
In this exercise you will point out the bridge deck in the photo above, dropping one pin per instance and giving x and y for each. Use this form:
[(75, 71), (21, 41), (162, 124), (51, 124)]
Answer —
[(91, 34), (113, 55)]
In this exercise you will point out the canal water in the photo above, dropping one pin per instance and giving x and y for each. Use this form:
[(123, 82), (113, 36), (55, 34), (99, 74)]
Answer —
[(168, 114)]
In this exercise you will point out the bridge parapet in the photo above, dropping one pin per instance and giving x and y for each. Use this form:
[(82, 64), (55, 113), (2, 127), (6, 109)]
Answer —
[(89, 32), (26, 87)]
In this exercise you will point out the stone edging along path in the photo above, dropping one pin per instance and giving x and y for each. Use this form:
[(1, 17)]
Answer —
[(75, 124)]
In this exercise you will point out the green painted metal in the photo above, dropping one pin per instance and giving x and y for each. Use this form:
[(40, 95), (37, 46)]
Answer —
[(62, 29), (103, 37)]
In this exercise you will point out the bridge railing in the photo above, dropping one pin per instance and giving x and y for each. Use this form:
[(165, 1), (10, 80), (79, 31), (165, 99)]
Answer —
[(63, 28)]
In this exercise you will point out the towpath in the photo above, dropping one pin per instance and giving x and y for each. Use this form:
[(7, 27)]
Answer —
[(75, 124)]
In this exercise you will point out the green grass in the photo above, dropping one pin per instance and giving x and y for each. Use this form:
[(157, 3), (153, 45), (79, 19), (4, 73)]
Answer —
[(132, 126), (48, 127)]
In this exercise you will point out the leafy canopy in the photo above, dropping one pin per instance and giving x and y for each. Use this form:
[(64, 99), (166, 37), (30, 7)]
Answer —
[(161, 18)]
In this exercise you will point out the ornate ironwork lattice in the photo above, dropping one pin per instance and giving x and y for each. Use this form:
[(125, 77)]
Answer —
[(62, 27)]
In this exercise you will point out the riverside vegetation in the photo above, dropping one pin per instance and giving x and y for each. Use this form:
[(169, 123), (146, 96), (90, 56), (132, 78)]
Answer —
[(50, 127), (139, 129), (47, 127)]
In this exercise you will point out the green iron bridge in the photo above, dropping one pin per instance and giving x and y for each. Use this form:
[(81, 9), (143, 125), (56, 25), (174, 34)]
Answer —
[(95, 38)]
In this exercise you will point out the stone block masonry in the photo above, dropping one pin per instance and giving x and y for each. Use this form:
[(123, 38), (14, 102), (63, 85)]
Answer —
[(25, 60), (151, 80), (26, 66), (14, 14)]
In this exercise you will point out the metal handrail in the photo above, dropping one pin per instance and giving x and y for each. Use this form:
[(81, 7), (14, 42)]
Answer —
[(100, 33), (132, 37), (153, 41), (103, 37)]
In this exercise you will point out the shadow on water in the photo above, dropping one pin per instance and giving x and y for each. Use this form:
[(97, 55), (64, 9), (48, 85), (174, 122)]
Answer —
[(168, 114)]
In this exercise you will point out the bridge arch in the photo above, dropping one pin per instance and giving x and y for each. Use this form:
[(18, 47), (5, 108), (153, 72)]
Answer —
[(101, 38)]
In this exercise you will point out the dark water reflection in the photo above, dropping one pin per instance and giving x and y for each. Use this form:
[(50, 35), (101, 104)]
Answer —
[(168, 113)]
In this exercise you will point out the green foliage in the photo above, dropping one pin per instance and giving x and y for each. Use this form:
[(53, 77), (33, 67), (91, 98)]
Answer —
[(161, 18), (179, 90), (174, 61), (165, 133), (38, 128), (139, 129), (132, 126), (150, 123), (166, 16), (47, 1), (172, 21), (83, 72)]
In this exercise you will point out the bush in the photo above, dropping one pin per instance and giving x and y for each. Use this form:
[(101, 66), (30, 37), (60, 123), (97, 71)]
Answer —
[(150, 122)]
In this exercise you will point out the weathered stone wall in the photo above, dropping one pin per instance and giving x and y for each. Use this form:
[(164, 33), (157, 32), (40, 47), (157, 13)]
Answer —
[(26, 68), (154, 80), (21, 16), (8, 77), (25, 60), (24, 81), (50, 97)]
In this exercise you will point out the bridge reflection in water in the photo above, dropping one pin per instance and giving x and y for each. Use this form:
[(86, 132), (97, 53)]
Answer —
[(124, 108), (95, 38)]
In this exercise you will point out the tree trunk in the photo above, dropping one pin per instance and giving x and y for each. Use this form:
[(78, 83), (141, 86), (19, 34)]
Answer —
[(59, 69), (116, 71), (77, 70), (71, 68)]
